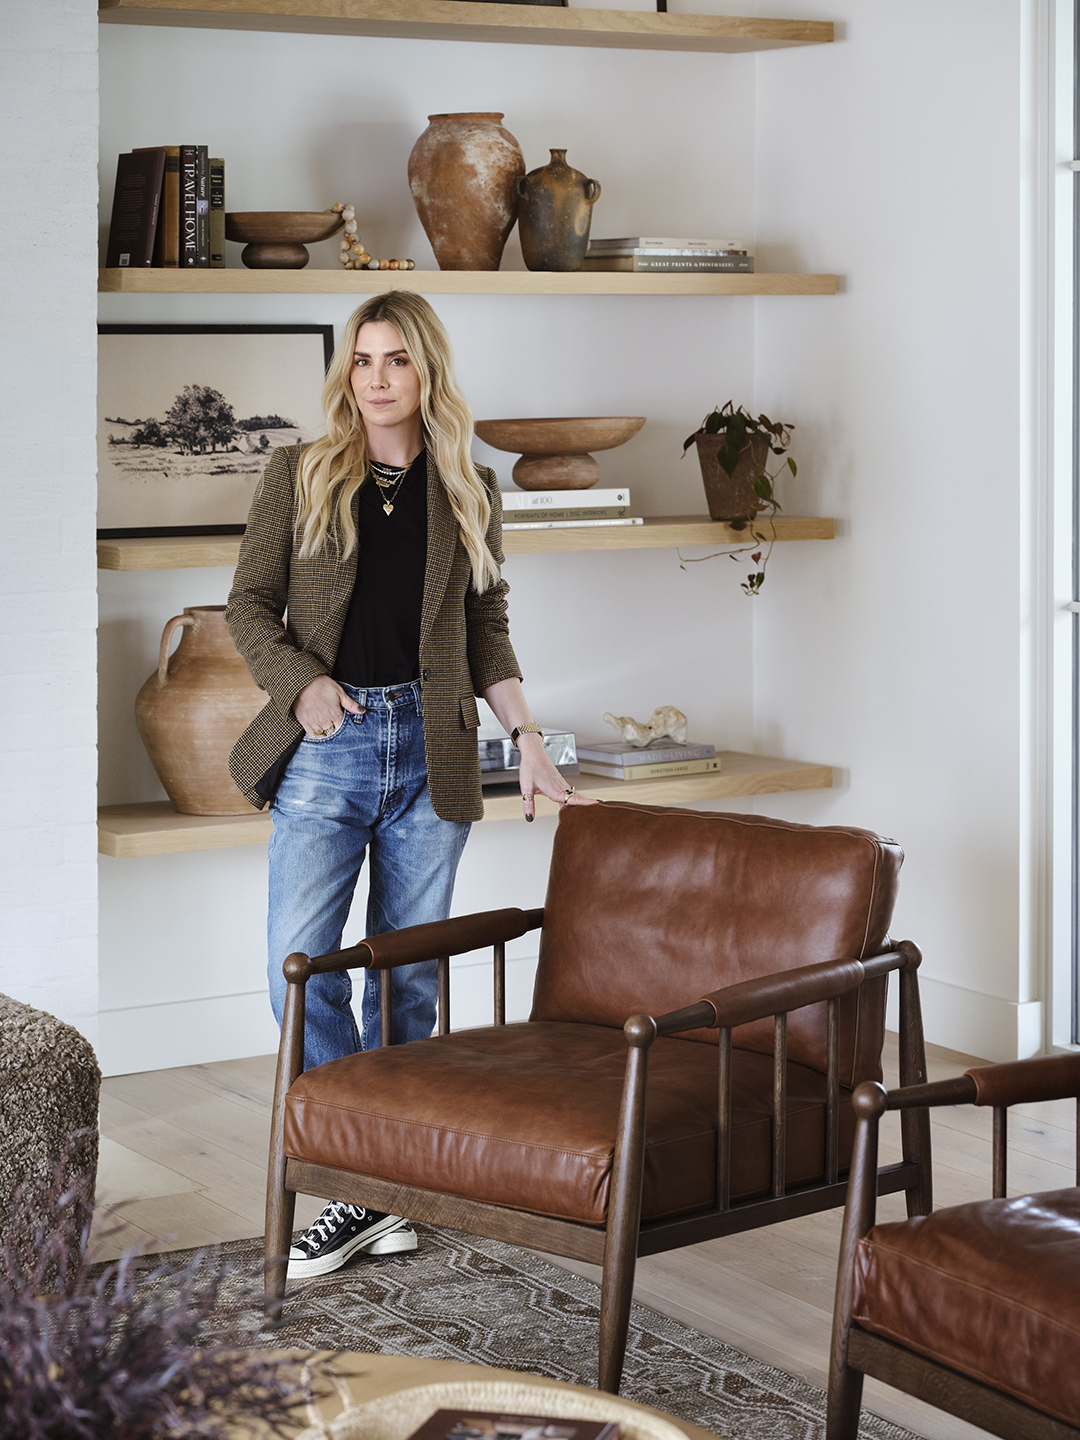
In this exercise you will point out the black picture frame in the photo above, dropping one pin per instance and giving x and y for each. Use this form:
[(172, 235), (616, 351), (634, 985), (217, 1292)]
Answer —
[(222, 475)]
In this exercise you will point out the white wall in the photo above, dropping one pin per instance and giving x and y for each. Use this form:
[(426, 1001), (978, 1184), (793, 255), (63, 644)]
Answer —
[(303, 121), (48, 218), (894, 158)]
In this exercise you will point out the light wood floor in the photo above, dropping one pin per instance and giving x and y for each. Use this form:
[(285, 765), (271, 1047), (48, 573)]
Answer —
[(183, 1162)]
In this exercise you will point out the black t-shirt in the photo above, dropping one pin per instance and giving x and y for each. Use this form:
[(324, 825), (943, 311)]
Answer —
[(380, 644)]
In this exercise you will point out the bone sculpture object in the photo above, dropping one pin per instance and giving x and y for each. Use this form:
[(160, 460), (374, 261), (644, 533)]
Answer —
[(665, 722)]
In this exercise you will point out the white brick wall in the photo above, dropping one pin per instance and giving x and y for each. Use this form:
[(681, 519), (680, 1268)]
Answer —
[(48, 606)]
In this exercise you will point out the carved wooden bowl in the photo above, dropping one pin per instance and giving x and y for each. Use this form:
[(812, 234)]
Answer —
[(278, 239), (555, 452)]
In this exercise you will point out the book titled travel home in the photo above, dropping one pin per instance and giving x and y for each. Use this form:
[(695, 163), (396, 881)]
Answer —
[(136, 205), (189, 207), (659, 752), (217, 214), (494, 1425), (649, 772)]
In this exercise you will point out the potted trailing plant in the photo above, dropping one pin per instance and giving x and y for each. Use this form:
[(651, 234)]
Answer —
[(734, 451)]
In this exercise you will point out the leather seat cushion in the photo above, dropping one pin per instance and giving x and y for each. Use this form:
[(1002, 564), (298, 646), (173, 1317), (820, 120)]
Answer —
[(525, 1116), (991, 1289)]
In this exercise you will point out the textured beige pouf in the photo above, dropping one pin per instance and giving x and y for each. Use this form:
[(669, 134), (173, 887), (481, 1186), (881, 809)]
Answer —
[(49, 1084)]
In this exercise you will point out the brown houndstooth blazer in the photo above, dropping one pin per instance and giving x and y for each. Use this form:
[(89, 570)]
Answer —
[(286, 615)]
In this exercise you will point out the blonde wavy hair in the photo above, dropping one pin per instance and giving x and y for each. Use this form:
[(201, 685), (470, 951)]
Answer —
[(334, 467)]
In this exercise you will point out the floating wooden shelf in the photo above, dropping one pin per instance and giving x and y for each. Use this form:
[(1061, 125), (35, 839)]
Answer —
[(127, 831), (180, 553), (146, 281), (449, 20)]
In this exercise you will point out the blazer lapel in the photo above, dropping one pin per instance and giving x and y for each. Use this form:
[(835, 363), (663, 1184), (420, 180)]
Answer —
[(442, 538)]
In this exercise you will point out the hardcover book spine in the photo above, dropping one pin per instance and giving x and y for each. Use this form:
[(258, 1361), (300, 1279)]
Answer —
[(596, 512), (663, 755), (649, 772), (167, 240), (217, 214), (136, 204), (663, 264), (561, 499), (543, 523), (203, 203), (189, 208)]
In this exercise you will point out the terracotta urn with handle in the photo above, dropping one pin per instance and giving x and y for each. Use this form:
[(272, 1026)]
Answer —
[(192, 710), (554, 214), (461, 174)]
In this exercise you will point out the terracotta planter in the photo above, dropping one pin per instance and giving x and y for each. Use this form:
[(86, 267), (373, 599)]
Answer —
[(554, 214), (461, 174), (731, 497), (191, 712)]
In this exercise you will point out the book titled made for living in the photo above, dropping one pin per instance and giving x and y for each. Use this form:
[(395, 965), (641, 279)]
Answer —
[(493, 1425)]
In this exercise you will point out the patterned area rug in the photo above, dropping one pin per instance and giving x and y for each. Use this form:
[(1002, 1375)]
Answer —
[(483, 1302)]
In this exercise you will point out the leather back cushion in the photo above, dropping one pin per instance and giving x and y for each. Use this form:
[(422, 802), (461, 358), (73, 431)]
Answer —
[(650, 908)]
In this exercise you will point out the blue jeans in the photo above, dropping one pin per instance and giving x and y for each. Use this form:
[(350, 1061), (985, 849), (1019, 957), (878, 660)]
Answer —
[(361, 789)]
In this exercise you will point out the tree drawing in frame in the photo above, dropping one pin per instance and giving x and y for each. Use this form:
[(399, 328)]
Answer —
[(188, 416)]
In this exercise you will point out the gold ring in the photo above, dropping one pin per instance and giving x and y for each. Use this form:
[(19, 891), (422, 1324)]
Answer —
[(322, 732), (570, 790)]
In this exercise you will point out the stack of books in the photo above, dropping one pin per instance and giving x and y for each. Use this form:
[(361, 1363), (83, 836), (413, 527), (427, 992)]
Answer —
[(668, 254), (168, 210), (555, 509), (620, 761)]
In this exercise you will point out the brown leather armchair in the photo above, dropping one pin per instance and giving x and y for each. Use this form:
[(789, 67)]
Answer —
[(710, 990), (975, 1308)]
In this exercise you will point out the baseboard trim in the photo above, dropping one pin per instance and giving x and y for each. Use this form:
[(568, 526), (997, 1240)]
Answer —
[(978, 1024), (232, 1027)]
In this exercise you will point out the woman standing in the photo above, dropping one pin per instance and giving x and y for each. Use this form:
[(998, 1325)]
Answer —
[(368, 603)]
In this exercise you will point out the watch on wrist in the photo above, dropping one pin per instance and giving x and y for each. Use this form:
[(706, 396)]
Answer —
[(529, 729)]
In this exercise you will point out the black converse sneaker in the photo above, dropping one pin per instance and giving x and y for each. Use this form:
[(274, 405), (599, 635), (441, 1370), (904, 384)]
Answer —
[(342, 1230)]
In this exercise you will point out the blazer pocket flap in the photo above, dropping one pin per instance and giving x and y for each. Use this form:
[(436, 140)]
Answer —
[(470, 715)]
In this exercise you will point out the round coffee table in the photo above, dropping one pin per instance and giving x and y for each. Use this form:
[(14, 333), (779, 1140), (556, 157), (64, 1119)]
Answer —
[(372, 1376)]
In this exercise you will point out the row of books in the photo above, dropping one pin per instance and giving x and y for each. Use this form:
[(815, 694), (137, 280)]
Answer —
[(555, 509), (168, 209), (668, 254)]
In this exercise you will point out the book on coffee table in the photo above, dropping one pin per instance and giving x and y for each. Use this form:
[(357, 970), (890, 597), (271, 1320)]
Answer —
[(493, 1425)]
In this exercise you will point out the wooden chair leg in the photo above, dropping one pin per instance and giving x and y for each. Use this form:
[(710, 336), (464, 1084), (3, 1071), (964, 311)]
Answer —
[(845, 1383), (624, 1206), (844, 1405), (914, 1123), (281, 1203), (280, 1210)]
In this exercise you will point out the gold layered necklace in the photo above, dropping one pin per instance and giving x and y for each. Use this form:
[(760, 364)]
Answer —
[(389, 479)]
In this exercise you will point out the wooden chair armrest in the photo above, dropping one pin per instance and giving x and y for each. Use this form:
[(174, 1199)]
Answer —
[(420, 942), (788, 990), (1025, 1082)]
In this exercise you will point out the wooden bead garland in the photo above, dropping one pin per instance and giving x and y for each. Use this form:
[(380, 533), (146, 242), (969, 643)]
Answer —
[(353, 253)]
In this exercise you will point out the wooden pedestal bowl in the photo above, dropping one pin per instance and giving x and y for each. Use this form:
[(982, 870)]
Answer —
[(555, 453), (278, 239)]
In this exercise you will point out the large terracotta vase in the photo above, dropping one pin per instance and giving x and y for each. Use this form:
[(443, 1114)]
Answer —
[(554, 214), (461, 174), (191, 712)]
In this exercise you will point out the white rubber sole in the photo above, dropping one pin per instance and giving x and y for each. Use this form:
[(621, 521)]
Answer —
[(390, 1242)]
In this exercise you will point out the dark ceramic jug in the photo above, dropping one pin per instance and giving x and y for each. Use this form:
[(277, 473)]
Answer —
[(554, 213)]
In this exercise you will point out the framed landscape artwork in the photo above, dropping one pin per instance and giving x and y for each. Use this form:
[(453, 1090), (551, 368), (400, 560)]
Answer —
[(188, 416)]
